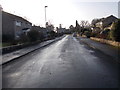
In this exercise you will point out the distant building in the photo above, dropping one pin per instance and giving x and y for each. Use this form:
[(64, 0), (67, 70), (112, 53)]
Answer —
[(13, 26), (60, 30), (67, 31)]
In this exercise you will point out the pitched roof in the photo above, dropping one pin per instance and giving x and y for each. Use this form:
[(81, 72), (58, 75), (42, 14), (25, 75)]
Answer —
[(15, 16), (110, 17)]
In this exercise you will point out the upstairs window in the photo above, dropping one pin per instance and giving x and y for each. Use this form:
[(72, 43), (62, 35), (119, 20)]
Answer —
[(17, 23)]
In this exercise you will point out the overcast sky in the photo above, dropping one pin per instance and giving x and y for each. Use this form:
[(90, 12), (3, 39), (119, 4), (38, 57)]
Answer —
[(63, 12)]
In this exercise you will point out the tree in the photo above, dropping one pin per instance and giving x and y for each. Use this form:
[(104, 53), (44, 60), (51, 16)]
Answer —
[(115, 32), (77, 23), (49, 26), (85, 26), (77, 27)]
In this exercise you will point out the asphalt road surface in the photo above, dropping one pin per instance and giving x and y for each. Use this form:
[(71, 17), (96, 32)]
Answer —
[(66, 63)]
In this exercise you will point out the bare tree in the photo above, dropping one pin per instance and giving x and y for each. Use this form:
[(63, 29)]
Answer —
[(84, 24)]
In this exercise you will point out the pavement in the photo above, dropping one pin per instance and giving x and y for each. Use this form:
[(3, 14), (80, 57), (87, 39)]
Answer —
[(6, 58), (109, 50), (67, 63)]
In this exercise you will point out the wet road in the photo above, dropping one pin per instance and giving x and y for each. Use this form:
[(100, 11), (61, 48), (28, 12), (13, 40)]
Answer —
[(67, 63)]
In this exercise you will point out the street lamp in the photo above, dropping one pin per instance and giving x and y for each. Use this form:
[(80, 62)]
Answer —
[(45, 14)]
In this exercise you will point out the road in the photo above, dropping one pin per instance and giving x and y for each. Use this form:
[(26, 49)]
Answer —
[(66, 63)]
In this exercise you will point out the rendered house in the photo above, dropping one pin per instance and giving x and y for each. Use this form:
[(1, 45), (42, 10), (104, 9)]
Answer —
[(13, 26), (106, 22)]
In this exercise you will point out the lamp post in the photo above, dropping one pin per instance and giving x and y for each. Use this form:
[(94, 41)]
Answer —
[(45, 15)]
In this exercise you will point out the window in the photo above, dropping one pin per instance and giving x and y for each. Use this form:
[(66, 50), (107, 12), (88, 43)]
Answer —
[(18, 23)]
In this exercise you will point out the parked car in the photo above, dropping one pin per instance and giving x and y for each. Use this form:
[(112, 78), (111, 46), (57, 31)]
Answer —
[(74, 35)]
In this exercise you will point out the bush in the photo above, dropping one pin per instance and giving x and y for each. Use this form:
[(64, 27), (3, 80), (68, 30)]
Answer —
[(7, 38), (115, 32), (93, 34), (33, 35), (52, 34), (105, 34), (87, 33), (24, 38)]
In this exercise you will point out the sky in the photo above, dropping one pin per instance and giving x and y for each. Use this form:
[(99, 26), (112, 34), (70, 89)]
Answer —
[(64, 12)]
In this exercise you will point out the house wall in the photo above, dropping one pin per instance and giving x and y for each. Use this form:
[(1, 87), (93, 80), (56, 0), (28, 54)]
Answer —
[(7, 25), (19, 25), (13, 25), (100, 25), (0, 24), (108, 21)]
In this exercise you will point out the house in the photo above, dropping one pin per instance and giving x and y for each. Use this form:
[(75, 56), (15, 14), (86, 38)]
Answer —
[(13, 26), (119, 9), (102, 26), (96, 29), (106, 22), (61, 30)]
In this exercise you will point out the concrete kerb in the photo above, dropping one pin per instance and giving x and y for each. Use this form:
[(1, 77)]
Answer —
[(116, 60), (53, 41)]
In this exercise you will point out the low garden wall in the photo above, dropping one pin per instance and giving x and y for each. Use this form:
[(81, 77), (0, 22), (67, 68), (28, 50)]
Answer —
[(110, 42), (12, 48), (17, 47)]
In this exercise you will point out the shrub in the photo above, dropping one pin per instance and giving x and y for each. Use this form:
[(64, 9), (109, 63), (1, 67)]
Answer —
[(24, 38), (33, 35), (7, 38), (105, 34), (52, 34), (93, 34), (115, 32), (87, 33)]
